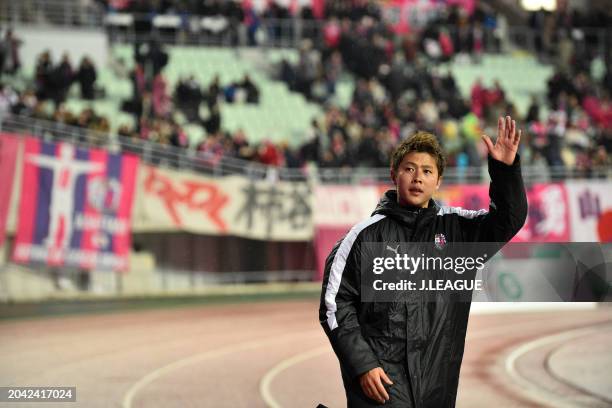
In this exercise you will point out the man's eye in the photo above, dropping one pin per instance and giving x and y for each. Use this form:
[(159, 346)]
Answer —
[(427, 171)]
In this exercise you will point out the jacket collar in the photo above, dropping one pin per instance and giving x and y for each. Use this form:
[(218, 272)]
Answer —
[(389, 206)]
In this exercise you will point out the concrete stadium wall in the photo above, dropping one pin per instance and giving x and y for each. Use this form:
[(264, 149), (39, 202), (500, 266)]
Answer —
[(76, 42)]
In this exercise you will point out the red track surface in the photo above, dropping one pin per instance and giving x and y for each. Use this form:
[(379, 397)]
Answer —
[(248, 355)]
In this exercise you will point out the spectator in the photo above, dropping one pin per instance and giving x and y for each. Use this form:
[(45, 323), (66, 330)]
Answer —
[(478, 98), (533, 112), (188, 97), (63, 76), (86, 76), (270, 155), (306, 71), (44, 72), (8, 98), (252, 93), (333, 70), (214, 90), (151, 57), (331, 33), (9, 53), (213, 123), (161, 99)]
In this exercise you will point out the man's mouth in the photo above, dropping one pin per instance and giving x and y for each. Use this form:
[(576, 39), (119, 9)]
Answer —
[(415, 190)]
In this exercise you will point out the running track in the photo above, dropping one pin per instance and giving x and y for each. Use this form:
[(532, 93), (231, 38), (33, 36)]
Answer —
[(269, 354)]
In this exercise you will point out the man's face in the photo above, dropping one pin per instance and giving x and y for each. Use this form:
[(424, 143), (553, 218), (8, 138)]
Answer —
[(416, 179)]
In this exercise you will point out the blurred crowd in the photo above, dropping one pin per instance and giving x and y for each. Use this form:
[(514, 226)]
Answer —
[(28, 104), (209, 8), (362, 43), (53, 81), (399, 87), (569, 36), (570, 128), (45, 94), (154, 104)]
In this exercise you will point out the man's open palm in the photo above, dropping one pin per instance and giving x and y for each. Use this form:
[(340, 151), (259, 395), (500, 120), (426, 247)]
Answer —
[(507, 142)]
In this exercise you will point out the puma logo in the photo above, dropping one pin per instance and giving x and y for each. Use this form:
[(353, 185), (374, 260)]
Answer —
[(393, 249)]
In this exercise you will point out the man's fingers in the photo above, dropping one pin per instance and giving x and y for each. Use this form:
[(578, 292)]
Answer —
[(517, 139), (488, 142), (372, 392), (508, 127), (381, 389), (372, 385), (386, 378), (365, 386), (500, 127)]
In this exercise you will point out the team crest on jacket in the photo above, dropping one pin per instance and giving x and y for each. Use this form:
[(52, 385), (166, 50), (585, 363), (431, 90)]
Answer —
[(440, 241)]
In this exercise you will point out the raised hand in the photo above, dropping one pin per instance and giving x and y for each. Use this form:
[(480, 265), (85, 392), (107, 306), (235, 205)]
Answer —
[(506, 144)]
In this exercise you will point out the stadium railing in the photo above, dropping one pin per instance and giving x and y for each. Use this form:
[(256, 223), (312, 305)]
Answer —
[(211, 165), (68, 13), (291, 33)]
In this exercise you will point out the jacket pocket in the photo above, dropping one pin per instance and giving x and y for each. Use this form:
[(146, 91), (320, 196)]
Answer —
[(396, 371), (389, 349)]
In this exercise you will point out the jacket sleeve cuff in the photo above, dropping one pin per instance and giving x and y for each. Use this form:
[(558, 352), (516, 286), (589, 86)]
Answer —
[(364, 368), (498, 166)]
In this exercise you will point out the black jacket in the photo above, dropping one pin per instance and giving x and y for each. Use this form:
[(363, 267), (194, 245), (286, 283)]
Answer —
[(418, 344)]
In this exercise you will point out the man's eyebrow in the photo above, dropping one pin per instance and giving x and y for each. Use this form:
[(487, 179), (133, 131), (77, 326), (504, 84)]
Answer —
[(416, 165)]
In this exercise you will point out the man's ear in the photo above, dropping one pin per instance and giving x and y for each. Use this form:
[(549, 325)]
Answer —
[(392, 175), (439, 182)]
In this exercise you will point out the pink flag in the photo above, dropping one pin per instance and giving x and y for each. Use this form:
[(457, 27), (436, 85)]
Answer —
[(75, 207)]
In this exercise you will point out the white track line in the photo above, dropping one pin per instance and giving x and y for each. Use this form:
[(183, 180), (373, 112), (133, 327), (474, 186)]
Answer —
[(569, 383), (161, 371), (265, 384), (533, 391), (266, 381)]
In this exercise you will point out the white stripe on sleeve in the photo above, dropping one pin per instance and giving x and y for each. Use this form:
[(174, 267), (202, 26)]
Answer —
[(337, 268)]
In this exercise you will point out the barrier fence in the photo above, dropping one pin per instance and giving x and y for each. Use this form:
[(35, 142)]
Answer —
[(211, 165)]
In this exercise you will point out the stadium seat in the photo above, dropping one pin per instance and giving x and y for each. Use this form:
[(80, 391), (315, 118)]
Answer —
[(280, 115)]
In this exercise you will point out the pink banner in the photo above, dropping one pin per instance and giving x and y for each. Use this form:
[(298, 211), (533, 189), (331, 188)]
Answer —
[(324, 240), (9, 146), (549, 215), (336, 209), (548, 219), (344, 206)]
